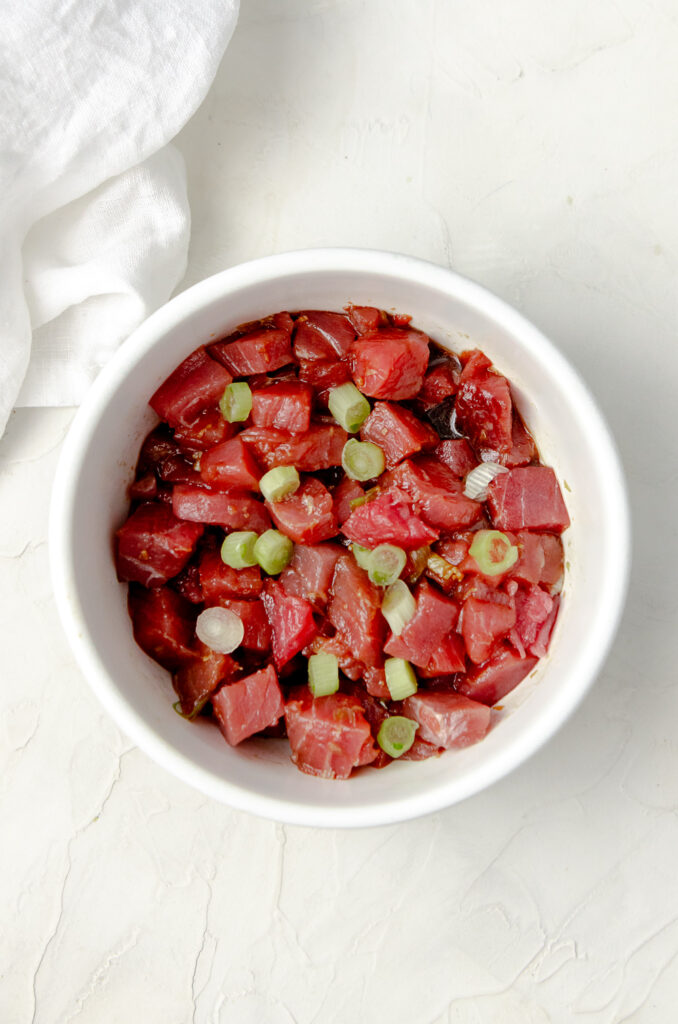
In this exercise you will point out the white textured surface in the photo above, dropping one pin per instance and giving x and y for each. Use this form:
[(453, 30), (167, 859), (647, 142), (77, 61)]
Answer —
[(532, 146)]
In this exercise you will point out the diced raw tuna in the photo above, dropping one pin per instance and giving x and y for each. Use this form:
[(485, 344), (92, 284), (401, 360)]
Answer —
[(144, 488), (435, 617), (475, 364), (528, 498), (484, 622), (389, 363), (437, 494), (207, 430), (219, 580), (365, 319), (344, 493), (543, 638), (484, 411), (158, 445), (230, 465), (321, 335), (319, 448), (284, 406), (291, 619), (446, 659), (257, 636), (307, 516), (397, 431), (552, 570), (187, 583), (261, 351), (309, 574), (533, 610), (329, 736), (388, 519), (375, 683), (233, 511), (523, 448), (153, 545), (323, 375), (179, 469), (439, 383), (530, 564), (496, 677), (351, 667), (196, 384), (163, 624), (454, 549), (249, 705), (448, 719), (457, 456), (355, 611), (421, 751), (195, 684)]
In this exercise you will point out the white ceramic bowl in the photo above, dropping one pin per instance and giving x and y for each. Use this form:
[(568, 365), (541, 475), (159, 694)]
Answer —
[(89, 502)]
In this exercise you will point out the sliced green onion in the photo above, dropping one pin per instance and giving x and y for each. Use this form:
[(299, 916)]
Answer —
[(220, 629), (386, 564), (349, 408), (396, 735), (362, 460), (493, 551), (236, 402), (323, 674), (357, 502), (362, 555), (238, 549), (400, 678), (273, 551), (278, 483), (478, 480), (398, 606)]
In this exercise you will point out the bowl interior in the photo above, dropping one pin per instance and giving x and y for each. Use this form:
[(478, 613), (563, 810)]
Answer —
[(97, 465)]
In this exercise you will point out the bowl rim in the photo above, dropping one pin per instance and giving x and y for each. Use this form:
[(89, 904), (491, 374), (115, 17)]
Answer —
[(139, 342)]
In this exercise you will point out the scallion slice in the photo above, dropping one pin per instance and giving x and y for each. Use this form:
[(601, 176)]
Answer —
[(236, 402), (349, 408), (238, 549), (398, 606), (400, 678), (220, 629), (386, 563), (278, 483), (362, 555), (362, 460), (476, 483), (323, 674), (273, 551), (493, 551), (396, 735)]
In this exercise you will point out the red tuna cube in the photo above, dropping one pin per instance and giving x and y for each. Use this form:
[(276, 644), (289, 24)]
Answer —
[(249, 705), (397, 431), (309, 574), (219, 580), (552, 571), (375, 683), (323, 375), (528, 498), (366, 319), (321, 335), (530, 564), (484, 621), (523, 448), (164, 625), (437, 494), (307, 516), (230, 465), (257, 636), (439, 383), (291, 619), (329, 736), (344, 493), (260, 351), (389, 363), (157, 446), (207, 430), (355, 611), (457, 455), (284, 406), (196, 683), (448, 719), (388, 519), (233, 511), (319, 448), (435, 617), (496, 677), (484, 411), (446, 659), (196, 384), (534, 608), (153, 545)]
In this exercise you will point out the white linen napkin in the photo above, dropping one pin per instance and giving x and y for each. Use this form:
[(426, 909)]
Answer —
[(94, 218)]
